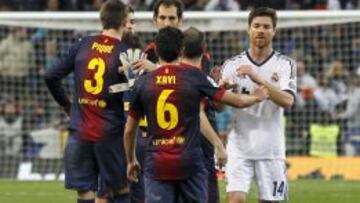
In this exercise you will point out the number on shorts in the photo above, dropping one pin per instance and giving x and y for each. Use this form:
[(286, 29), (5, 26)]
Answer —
[(278, 188)]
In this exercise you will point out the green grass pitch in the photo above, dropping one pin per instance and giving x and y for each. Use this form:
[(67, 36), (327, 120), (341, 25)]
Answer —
[(305, 191)]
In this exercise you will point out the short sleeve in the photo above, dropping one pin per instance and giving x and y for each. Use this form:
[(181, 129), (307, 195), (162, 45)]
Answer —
[(288, 76), (208, 87), (228, 71)]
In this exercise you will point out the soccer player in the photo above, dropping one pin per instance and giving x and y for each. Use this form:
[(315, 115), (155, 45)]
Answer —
[(165, 13), (169, 97), (256, 144), (133, 41), (94, 155), (194, 46), (130, 23), (170, 13)]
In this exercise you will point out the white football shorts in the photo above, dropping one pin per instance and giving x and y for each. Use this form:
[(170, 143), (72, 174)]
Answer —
[(270, 176)]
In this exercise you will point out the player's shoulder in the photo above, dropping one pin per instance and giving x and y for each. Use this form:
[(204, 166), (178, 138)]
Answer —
[(282, 58), (235, 60)]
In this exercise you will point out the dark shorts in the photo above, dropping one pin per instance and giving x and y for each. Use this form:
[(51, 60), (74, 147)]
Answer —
[(213, 189), (95, 166), (137, 190), (190, 190)]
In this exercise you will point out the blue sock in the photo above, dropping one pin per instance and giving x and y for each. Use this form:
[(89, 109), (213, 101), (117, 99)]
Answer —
[(86, 201), (122, 198)]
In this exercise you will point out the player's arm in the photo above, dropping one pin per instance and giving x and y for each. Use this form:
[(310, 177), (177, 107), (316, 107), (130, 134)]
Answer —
[(56, 73), (210, 134), (208, 89), (283, 98), (245, 100), (129, 145), (134, 115)]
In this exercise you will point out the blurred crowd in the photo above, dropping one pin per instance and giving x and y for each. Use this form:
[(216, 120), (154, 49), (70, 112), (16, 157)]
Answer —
[(190, 5)]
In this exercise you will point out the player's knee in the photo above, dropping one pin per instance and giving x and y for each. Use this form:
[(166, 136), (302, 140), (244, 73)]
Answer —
[(237, 197), (87, 195)]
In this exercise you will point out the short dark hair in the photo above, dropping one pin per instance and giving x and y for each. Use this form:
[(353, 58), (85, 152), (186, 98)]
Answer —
[(263, 11), (194, 43), (113, 14), (169, 43), (167, 3), (130, 9)]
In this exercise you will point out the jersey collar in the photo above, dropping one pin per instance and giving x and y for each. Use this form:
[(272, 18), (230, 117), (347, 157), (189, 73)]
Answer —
[(261, 63)]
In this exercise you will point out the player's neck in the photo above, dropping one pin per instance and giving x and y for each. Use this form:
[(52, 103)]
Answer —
[(196, 62), (260, 54), (162, 62), (113, 33)]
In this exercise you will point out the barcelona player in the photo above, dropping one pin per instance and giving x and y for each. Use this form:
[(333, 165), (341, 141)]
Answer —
[(170, 98), (170, 13), (194, 46), (94, 156)]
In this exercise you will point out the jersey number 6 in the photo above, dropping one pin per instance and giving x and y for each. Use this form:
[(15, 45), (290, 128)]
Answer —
[(163, 108)]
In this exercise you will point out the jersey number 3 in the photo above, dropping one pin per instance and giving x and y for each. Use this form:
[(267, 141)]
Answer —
[(167, 114), (91, 87)]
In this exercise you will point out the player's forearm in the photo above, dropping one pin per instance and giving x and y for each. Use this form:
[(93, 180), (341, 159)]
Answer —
[(130, 139), (58, 92), (278, 96), (208, 132), (240, 100)]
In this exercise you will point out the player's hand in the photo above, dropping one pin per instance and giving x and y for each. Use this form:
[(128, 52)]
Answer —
[(261, 93), (227, 84), (143, 65), (215, 73), (221, 155), (128, 58), (133, 170), (248, 70)]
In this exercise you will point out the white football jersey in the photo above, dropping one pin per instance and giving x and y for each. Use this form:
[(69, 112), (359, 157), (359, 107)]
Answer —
[(257, 131)]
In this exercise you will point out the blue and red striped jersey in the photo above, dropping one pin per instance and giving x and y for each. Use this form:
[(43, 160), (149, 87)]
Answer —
[(96, 109), (170, 98)]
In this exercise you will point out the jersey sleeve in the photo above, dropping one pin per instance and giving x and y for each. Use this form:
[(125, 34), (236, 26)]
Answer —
[(58, 71), (228, 71), (208, 87), (136, 110), (288, 77)]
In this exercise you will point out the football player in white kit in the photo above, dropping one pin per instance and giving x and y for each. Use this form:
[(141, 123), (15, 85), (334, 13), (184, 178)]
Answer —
[(256, 143)]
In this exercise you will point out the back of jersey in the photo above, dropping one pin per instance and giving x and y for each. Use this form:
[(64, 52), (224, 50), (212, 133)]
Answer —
[(97, 111), (170, 98)]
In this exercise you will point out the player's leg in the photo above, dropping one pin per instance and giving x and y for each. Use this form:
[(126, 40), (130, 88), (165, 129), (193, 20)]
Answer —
[(213, 189), (239, 174), (110, 157), (195, 188), (80, 169), (271, 180), (159, 191)]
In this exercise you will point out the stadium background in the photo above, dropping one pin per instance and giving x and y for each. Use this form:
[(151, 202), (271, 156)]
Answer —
[(323, 36)]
